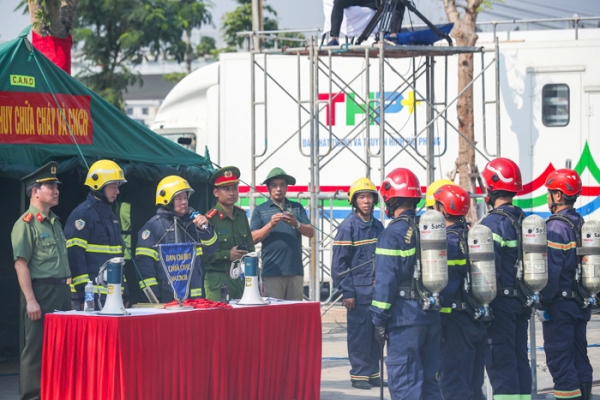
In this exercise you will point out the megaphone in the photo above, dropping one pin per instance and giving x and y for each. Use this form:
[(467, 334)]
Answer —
[(113, 269), (251, 295)]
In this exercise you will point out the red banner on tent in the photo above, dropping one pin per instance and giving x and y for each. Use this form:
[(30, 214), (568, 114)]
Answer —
[(34, 118)]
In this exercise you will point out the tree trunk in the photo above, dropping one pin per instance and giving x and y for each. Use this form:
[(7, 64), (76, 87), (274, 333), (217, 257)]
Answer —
[(464, 33), (60, 19)]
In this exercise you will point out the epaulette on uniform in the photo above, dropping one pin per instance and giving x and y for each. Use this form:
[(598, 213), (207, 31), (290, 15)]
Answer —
[(211, 213), (27, 217)]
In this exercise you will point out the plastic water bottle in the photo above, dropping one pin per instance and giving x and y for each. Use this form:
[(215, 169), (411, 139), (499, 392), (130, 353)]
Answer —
[(89, 297)]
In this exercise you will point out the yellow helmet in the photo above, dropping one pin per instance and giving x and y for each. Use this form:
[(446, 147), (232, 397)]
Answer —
[(429, 200), (361, 186), (169, 187), (104, 172)]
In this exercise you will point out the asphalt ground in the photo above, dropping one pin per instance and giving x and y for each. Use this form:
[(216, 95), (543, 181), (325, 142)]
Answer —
[(335, 367)]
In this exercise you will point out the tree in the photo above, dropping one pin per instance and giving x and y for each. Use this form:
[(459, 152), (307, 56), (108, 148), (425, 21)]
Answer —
[(116, 35), (465, 35), (240, 20), (54, 18)]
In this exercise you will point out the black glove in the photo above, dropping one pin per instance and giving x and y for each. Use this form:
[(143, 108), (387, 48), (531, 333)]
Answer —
[(380, 334)]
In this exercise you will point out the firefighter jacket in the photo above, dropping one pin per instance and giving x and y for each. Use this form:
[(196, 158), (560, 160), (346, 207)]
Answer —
[(159, 230), (395, 259), (354, 245), (562, 257), (93, 236), (505, 244), (457, 266)]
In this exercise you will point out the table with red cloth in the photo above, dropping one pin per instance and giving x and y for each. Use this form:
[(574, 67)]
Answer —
[(245, 353)]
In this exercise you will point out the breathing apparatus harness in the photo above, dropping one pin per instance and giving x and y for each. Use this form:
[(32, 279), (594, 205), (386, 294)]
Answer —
[(413, 289), (464, 300), (578, 292), (521, 291)]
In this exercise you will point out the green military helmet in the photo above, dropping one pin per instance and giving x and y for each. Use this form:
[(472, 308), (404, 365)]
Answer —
[(47, 173), (278, 173)]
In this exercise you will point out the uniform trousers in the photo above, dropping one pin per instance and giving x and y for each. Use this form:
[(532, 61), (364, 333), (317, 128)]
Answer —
[(50, 297), (507, 362), (412, 362)]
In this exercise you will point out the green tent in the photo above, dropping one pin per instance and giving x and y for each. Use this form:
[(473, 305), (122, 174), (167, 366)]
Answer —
[(44, 112)]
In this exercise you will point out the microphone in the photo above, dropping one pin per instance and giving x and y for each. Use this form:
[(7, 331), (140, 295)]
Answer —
[(193, 214)]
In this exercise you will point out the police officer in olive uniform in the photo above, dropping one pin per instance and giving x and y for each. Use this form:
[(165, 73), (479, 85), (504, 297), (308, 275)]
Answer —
[(231, 224), (42, 264)]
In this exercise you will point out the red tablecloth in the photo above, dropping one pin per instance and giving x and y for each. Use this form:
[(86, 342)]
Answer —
[(269, 352)]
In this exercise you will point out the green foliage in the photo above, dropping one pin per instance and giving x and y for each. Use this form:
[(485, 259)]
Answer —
[(207, 46), (116, 34), (41, 15), (487, 5), (174, 77), (240, 20)]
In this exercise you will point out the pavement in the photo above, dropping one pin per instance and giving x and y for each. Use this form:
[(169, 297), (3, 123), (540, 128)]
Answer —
[(335, 367)]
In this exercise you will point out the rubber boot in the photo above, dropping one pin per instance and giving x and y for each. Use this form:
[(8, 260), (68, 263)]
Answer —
[(586, 391)]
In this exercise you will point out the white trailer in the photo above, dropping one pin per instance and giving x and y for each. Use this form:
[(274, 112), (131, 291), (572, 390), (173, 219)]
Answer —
[(549, 111)]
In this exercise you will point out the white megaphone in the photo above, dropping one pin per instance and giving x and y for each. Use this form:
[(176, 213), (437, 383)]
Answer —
[(251, 295), (113, 269)]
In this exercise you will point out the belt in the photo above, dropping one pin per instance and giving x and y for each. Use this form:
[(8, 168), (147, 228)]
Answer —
[(54, 281), (508, 292), (567, 294)]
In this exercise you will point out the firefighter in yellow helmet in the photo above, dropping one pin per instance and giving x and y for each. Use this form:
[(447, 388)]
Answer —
[(92, 231), (172, 196), (354, 245), (429, 200)]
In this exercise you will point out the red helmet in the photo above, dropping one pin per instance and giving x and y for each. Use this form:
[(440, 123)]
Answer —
[(565, 180), (502, 174), (456, 200), (401, 182)]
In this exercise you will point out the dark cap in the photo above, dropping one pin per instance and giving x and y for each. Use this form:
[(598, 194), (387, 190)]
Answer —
[(278, 173), (226, 176), (45, 174)]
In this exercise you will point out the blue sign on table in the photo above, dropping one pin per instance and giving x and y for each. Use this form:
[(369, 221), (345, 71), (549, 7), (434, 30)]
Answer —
[(177, 259)]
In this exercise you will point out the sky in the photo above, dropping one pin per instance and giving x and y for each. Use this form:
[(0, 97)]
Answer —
[(309, 13)]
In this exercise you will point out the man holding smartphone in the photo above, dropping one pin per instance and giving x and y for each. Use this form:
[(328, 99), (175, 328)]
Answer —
[(280, 224)]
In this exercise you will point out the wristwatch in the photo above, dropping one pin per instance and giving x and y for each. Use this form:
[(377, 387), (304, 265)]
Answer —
[(298, 224)]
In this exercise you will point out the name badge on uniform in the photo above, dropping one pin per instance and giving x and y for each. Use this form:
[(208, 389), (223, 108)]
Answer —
[(222, 232), (44, 235)]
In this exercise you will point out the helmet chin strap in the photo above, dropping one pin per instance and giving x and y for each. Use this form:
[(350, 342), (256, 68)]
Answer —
[(554, 204), (101, 194)]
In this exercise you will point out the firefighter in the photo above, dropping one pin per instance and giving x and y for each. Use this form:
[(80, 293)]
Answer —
[(172, 197), (414, 334), (93, 233), (354, 245), (431, 189), (462, 353), (507, 363), (564, 320)]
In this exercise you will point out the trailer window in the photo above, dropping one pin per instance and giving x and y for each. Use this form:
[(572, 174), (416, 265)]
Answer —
[(555, 105)]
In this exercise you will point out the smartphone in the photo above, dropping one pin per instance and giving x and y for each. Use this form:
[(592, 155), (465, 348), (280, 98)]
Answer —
[(242, 246)]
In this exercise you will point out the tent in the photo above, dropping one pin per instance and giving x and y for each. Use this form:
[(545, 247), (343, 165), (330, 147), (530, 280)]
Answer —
[(45, 115)]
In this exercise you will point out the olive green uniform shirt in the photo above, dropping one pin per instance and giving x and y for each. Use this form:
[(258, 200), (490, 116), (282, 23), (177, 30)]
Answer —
[(231, 232), (39, 239)]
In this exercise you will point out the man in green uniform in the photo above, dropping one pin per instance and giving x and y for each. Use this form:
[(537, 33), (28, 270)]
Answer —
[(231, 224), (42, 264)]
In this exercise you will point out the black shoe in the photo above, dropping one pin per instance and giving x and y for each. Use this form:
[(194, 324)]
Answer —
[(334, 42), (376, 382), (586, 391), (361, 385)]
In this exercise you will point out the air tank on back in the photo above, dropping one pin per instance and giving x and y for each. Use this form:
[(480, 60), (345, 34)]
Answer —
[(535, 253), (590, 263), (483, 264), (434, 253)]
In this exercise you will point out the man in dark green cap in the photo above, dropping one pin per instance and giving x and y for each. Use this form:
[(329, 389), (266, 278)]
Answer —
[(231, 225), (42, 264), (280, 224)]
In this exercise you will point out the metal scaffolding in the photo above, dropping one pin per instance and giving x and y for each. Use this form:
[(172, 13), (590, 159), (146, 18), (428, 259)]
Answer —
[(323, 74)]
